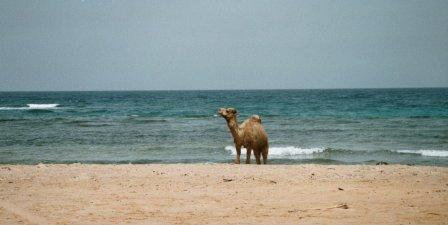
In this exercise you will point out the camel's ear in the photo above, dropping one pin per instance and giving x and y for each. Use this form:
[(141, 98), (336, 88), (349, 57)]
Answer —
[(233, 110)]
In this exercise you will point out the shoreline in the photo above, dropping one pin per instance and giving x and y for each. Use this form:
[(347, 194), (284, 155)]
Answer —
[(230, 162), (219, 193)]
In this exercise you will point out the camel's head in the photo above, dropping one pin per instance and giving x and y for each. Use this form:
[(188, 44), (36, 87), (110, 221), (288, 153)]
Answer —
[(227, 113)]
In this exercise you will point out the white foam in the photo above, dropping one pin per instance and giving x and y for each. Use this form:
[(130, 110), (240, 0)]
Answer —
[(278, 152), (42, 106), (32, 106), (10, 108), (436, 153)]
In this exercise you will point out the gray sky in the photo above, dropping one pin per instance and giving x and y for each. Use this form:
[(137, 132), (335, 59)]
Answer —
[(147, 45)]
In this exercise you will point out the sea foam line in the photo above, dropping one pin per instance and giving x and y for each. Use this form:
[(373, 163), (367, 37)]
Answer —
[(278, 152), (436, 153), (282, 151)]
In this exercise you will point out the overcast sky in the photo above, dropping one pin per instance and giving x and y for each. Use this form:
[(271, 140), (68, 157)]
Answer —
[(152, 45)]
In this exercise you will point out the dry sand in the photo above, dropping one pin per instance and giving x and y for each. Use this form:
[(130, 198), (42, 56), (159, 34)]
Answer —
[(223, 194)]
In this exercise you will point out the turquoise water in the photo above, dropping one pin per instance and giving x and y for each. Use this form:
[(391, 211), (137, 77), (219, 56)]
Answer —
[(347, 126)]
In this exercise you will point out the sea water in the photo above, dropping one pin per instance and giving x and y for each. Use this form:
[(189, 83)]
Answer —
[(346, 126)]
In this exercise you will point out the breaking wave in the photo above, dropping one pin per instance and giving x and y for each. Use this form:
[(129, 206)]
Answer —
[(290, 152), (436, 153), (282, 151)]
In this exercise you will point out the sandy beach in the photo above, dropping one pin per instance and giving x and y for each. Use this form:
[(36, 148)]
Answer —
[(223, 194)]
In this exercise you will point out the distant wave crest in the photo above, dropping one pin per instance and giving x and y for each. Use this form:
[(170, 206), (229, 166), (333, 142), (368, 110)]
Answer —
[(42, 106), (10, 108), (32, 106)]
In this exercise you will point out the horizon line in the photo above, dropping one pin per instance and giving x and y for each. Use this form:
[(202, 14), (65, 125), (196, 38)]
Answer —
[(236, 89)]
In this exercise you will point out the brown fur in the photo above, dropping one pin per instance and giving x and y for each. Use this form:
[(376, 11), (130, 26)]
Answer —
[(250, 134)]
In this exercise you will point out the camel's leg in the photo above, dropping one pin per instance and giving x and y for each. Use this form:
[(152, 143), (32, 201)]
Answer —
[(265, 155), (238, 153), (249, 151), (257, 156)]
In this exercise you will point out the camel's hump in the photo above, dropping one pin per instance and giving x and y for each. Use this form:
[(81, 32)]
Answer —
[(255, 118)]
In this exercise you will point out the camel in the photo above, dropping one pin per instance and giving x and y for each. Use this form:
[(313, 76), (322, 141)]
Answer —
[(250, 134)]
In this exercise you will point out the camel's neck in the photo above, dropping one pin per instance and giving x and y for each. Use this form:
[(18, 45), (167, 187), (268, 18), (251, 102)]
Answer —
[(233, 126)]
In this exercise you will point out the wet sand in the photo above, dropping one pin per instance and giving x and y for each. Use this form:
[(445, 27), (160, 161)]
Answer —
[(223, 194)]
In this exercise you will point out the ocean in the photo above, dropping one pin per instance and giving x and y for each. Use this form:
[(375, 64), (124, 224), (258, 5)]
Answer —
[(339, 126)]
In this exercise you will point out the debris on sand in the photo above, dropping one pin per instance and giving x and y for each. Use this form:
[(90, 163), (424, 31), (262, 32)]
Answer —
[(342, 206), (341, 189), (338, 206), (227, 180)]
